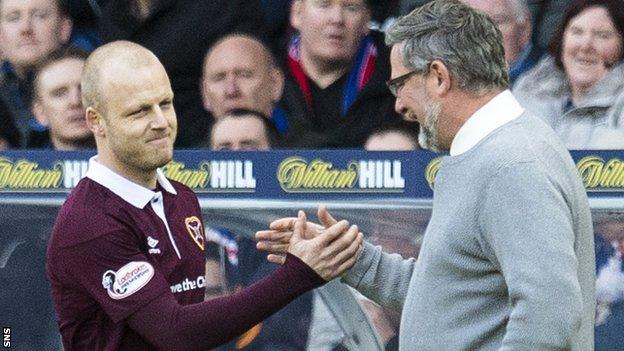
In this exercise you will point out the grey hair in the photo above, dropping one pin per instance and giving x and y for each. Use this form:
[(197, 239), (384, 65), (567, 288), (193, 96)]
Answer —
[(466, 41)]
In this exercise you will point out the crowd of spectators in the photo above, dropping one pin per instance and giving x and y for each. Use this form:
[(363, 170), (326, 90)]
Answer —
[(316, 68)]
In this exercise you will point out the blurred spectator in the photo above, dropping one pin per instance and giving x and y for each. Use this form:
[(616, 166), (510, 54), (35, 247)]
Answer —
[(242, 129), (240, 72), (514, 21), (579, 88), (609, 284), (57, 103), (287, 330), (9, 135), (400, 136), (336, 69), (180, 32), (29, 30)]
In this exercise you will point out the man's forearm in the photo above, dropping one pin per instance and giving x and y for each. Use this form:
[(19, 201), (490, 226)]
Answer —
[(168, 325)]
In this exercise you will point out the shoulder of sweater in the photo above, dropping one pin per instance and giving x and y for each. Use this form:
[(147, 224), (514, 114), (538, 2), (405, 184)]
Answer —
[(522, 140)]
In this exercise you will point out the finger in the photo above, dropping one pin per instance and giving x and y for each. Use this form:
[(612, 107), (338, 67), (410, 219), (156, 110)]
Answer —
[(273, 235), (300, 225), (325, 217), (349, 251), (272, 247), (277, 259), (287, 223), (331, 233), (347, 240)]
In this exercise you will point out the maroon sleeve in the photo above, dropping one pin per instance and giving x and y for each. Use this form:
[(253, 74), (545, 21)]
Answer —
[(98, 266), (170, 326)]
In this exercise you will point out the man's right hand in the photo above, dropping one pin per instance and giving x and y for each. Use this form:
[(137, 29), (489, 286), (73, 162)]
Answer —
[(276, 240), (331, 251)]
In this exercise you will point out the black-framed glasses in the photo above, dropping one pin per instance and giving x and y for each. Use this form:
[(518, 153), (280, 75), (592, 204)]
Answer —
[(397, 83)]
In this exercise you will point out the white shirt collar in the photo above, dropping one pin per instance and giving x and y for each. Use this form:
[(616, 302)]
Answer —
[(502, 109), (133, 193)]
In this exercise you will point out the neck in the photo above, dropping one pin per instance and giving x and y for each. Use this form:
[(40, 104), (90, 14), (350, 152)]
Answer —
[(460, 107), (142, 177), (72, 145), (578, 94), (321, 72)]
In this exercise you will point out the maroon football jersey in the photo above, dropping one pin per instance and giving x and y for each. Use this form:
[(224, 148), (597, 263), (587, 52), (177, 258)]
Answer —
[(115, 247)]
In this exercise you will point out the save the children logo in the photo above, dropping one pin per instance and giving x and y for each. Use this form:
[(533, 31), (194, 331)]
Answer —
[(196, 231), (127, 280)]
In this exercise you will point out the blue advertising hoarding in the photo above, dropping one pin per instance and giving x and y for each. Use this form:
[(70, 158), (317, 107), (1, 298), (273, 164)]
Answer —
[(284, 174)]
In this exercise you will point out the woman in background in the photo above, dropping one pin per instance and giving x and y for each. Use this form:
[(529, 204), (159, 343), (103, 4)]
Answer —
[(579, 88)]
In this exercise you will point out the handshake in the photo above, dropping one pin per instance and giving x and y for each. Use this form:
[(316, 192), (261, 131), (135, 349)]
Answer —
[(329, 248)]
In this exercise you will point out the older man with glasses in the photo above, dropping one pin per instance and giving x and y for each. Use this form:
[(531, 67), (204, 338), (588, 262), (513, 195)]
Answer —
[(507, 260)]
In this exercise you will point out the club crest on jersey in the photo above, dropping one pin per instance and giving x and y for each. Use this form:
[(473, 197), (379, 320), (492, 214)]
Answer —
[(196, 231), (127, 280)]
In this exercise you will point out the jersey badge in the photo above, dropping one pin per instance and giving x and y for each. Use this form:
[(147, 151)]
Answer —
[(196, 231)]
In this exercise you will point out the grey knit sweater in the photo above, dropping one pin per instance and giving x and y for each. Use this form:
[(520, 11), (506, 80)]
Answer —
[(507, 261)]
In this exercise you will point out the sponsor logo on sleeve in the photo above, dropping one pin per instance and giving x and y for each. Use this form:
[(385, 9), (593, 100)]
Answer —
[(195, 230), (127, 280)]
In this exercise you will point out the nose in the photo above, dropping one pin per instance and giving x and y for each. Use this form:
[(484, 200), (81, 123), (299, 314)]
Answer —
[(75, 98), (25, 25), (231, 86), (586, 42), (399, 107), (159, 120), (336, 14)]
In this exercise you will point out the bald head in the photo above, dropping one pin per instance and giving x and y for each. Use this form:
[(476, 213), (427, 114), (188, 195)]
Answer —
[(240, 43), (110, 64), (240, 72)]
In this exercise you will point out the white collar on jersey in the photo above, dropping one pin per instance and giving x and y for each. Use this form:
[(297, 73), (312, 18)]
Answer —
[(131, 192), (503, 108)]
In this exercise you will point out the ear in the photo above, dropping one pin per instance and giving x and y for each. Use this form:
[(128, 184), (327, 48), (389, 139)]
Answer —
[(295, 14), (65, 29), (40, 116), (95, 122), (204, 95), (439, 78), (277, 78)]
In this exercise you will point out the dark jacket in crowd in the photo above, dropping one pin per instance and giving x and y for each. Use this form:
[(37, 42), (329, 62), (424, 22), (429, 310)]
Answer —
[(373, 106), (8, 131), (179, 32)]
